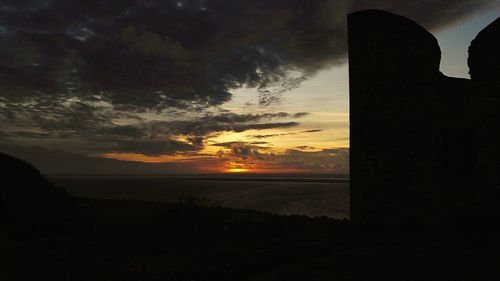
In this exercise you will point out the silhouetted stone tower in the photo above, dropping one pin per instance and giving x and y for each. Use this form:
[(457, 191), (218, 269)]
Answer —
[(484, 68), (414, 131)]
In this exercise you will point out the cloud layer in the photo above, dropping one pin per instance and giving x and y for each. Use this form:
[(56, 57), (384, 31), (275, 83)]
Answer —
[(251, 156), (155, 54), (149, 77)]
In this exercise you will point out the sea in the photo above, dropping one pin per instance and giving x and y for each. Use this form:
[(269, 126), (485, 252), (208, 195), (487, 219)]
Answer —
[(284, 194)]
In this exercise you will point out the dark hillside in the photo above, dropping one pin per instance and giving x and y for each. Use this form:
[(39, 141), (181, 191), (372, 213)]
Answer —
[(29, 203)]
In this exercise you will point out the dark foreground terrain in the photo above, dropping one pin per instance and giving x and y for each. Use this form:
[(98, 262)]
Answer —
[(45, 234), (131, 240)]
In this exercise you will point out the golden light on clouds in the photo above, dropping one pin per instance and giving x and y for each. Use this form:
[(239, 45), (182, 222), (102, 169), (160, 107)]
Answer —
[(303, 148), (279, 150), (136, 157)]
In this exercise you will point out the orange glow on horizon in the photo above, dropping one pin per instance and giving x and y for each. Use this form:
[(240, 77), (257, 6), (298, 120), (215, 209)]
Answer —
[(250, 170), (237, 170), (208, 164)]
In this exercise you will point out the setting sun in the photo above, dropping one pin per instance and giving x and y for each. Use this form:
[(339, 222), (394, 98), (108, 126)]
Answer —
[(237, 170)]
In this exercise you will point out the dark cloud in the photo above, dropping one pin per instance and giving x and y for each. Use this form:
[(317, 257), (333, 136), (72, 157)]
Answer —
[(131, 131), (56, 117), (265, 136), (263, 126), (311, 131), (242, 151), (156, 54), (246, 155), (94, 129), (84, 70), (250, 145), (284, 134), (197, 141), (231, 118), (206, 128), (305, 147), (260, 142), (153, 147), (83, 119), (334, 159), (3, 135), (300, 114)]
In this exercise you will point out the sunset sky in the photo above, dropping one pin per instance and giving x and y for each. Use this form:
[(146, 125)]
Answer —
[(194, 86)]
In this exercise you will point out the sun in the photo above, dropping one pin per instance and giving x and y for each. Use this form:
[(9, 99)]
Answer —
[(237, 170)]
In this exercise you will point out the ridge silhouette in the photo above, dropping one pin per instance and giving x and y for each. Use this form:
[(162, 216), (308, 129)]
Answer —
[(29, 203), (423, 145)]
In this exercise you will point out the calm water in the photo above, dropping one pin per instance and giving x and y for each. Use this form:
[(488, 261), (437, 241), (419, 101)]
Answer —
[(311, 197)]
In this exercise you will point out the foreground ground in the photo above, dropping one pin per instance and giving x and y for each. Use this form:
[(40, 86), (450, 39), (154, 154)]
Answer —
[(131, 240)]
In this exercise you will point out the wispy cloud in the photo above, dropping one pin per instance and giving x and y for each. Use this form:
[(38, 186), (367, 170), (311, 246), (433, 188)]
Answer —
[(284, 134)]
